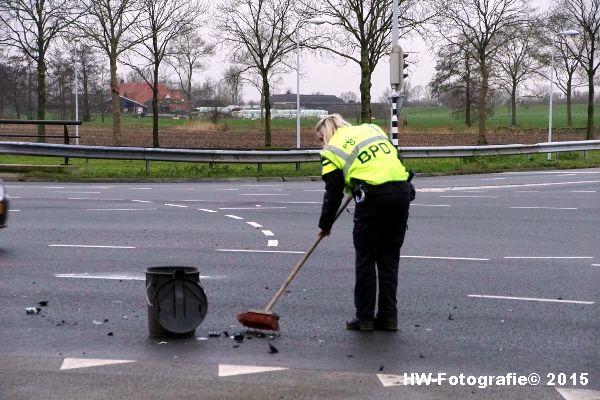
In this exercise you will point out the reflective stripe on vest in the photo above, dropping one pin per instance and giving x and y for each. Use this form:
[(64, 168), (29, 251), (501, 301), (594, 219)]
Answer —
[(349, 158)]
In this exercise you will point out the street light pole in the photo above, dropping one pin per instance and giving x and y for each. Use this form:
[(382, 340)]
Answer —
[(76, 96), (314, 21), (555, 38)]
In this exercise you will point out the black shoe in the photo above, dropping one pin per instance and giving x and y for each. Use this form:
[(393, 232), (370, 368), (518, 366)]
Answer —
[(385, 324), (359, 325)]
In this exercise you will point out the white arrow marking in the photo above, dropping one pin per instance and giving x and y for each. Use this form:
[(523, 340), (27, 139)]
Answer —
[(72, 363), (230, 370), (391, 380), (579, 394)]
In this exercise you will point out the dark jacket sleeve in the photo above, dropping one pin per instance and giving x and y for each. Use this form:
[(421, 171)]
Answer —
[(334, 193)]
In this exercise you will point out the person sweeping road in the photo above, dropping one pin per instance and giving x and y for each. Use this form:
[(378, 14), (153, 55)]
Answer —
[(361, 159)]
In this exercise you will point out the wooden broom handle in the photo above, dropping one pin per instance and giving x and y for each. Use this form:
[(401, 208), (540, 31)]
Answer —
[(300, 263)]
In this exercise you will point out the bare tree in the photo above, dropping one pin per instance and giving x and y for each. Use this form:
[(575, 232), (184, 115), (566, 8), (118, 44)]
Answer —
[(260, 36), (109, 23), (31, 26), (486, 26), (232, 83), (517, 62), (349, 97), (360, 33), (187, 54), (162, 21), (586, 15), (456, 78)]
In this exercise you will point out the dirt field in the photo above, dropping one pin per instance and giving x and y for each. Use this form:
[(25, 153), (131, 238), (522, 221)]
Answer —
[(217, 138)]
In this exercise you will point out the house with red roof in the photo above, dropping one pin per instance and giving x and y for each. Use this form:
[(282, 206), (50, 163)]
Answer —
[(136, 98)]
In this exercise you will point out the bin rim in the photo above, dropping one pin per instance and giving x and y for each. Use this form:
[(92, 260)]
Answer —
[(169, 270)]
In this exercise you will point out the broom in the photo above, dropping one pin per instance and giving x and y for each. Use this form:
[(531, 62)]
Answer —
[(266, 319)]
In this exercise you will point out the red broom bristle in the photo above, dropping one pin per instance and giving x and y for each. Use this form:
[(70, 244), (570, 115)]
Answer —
[(258, 320)]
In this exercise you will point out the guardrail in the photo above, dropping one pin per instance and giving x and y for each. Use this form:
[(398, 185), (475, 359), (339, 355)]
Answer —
[(274, 156), (65, 136)]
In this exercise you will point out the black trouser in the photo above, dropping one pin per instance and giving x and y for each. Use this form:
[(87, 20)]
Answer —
[(379, 228)]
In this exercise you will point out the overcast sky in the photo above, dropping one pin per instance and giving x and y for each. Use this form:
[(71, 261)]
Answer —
[(333, 77)]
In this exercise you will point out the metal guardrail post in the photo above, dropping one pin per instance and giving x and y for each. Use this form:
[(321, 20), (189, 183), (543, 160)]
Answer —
[(66, 138)]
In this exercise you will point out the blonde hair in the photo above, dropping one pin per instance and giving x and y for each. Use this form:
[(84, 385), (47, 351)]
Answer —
[(327, 126)]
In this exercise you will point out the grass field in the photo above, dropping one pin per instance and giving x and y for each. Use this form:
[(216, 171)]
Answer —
[(530, 117)]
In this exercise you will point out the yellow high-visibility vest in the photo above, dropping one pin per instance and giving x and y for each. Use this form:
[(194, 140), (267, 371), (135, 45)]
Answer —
[(363, 152)]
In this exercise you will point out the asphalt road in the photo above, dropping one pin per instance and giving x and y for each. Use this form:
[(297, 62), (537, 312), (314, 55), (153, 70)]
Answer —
[(499, 277)]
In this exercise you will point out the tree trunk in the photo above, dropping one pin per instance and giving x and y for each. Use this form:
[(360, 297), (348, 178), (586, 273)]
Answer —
[(365, 88), (569, 94), (513, 105), (468, 96), (155, 141), (482, 106), (116, 101), (589, 134), (267, 100), (41, 97), (86, 93), (188, 94)]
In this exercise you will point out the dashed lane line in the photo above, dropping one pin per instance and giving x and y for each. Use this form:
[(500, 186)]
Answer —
[(233, 216), (483, 296), (120, 277), (471, 196), (429, 205), (267, 232), (120, 209), (447, 258), (272, 243), (207, 210), (548, 257), (259, 251), (89, 246), (254, 224), (175, 205), (141, 201), (543, 208)]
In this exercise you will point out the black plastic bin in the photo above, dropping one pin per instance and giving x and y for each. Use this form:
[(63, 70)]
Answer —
[(176, 301)]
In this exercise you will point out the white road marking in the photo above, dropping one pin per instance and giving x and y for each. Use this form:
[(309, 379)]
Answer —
[(578, 394), (14, 210), (566, 175), (74, 192), (233, 216), (530, 299), (430, 205), (527, 191), (90, 198), (595, 265), (120, 209), (254, 224), (89, 246), (268, 233), (250, 208), (473, 196), (549, 257), (207, 210), (141, 201), (231, 370), (264, 194), (265, 185), (583, 191), (272, 243), (259, 251), (53, 187), (492, 179), (398, 380), (228, 189), (302, 202), (140, 188), (448, 258), (546, 208), (73, 363), (137, 277), (175, 205), (313, 190), (520, 185)]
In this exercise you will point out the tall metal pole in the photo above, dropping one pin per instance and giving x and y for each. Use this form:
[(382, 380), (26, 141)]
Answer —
[(395, 88), (76, 98), (297, 88), (551, 95)]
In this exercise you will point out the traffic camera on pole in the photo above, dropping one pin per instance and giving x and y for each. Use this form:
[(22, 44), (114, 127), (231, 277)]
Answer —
[(398, 67)]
